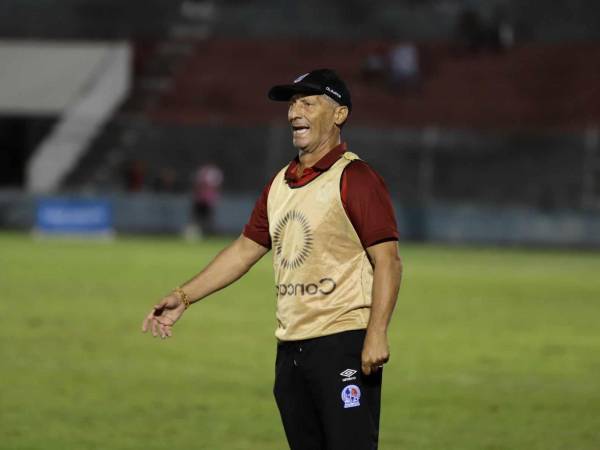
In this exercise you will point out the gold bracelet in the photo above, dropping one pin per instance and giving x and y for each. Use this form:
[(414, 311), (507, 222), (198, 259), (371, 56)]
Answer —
[(183, 297)]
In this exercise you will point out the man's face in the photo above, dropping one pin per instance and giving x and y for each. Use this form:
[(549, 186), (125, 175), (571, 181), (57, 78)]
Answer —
[(312, 118)]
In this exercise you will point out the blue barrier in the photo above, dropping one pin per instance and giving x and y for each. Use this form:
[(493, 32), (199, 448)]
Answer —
[(74, 216), (170, 214)]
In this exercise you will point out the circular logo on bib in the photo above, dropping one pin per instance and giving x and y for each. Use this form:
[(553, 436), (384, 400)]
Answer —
[(292, 240)]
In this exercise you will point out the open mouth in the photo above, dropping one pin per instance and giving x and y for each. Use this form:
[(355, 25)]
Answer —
[(299, 130)]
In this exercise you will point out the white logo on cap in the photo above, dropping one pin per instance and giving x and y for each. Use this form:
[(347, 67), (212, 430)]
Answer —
[(301, 77), (328, 89)]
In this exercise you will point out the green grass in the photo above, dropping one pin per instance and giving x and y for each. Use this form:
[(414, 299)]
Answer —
[(492, 349)]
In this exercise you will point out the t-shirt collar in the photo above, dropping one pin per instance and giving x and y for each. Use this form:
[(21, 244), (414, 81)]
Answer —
[(321, 165), (331, 157)]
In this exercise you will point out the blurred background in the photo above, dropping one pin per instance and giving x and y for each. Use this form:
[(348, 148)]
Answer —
[(148, 121), (481, 116)]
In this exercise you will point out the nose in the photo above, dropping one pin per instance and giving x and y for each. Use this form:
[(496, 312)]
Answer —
[(293, 111)]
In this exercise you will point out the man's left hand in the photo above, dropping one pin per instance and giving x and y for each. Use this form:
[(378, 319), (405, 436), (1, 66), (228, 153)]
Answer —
[(375, 353)]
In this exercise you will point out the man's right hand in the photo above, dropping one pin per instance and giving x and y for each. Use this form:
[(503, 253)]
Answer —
[(229, 265), (163, 316)]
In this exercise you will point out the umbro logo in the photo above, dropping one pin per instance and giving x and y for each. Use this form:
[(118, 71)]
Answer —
[(348, 374)]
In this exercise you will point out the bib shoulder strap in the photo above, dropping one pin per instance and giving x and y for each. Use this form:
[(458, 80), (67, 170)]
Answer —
[(350, 156)]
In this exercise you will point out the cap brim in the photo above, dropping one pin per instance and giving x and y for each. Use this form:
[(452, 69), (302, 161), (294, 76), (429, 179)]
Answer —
[(285, 92)]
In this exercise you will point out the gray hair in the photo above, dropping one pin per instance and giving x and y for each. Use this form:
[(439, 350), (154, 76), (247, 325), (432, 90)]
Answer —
[(332, 101), (334, 104)]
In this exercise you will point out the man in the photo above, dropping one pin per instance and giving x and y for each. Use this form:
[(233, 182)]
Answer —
[(329, 220), (207, 192)]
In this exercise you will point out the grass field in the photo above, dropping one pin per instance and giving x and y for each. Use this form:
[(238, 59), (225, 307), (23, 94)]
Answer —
[(492, 349)]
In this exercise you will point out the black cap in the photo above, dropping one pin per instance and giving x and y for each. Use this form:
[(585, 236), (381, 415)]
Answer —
[(321, 81)]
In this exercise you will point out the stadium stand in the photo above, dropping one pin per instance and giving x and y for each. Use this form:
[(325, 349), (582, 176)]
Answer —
[(472, 118), (535, 86), (540, 20), (476, 167)]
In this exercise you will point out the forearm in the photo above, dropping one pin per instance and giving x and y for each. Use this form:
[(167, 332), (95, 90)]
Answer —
[(228, 266), (387, 275)]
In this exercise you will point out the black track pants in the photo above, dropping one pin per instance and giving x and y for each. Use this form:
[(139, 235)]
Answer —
[(325, 401)]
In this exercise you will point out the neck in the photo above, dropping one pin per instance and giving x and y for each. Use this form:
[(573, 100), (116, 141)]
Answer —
[(309, 159)]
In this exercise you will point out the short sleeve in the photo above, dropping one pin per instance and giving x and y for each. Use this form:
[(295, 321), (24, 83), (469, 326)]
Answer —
[(368, 205), (257, 227)]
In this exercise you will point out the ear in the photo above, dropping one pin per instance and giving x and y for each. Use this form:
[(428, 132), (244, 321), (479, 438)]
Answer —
[(340, 115)]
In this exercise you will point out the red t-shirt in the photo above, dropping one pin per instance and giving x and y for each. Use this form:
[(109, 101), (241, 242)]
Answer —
[(364, 195)]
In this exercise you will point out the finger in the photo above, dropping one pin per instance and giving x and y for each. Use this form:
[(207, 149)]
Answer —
[(169, 331), (147, 321), (154, 327), (379, 362), (163, 331), (366, 368), (145, 324)]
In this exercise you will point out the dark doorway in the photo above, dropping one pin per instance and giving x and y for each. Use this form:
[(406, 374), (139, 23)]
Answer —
[(19, 136)]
